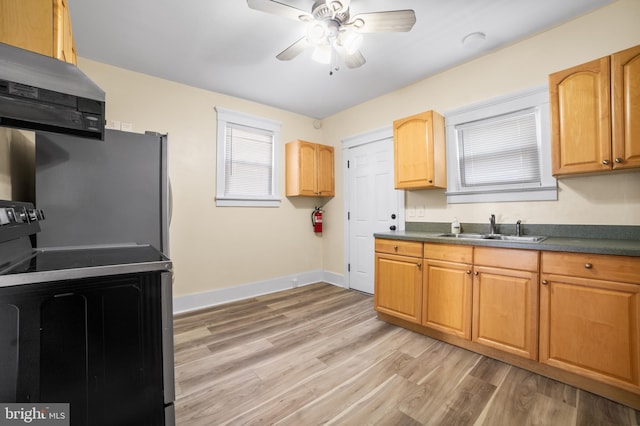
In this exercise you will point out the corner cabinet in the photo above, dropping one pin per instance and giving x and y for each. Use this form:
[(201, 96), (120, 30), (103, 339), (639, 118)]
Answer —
[(419, 151), (594, 121), (309, 169), (398, 279), (590, 316), (43, 27)]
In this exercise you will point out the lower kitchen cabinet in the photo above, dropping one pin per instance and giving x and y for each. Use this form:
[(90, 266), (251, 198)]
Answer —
[(398, 279), (590, 316), (505, 300), (446, 300)]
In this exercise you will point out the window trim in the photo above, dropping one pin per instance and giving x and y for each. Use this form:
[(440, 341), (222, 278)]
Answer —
[(225, 116), (538, 98)]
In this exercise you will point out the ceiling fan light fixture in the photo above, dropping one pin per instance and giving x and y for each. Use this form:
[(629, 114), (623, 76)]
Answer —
[(350, 40), (322, 54), (317, 32)]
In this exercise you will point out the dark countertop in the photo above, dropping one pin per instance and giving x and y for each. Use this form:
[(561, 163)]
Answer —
[(567, 244)]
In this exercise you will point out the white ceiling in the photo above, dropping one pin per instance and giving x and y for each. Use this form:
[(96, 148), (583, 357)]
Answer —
[(226, 47)]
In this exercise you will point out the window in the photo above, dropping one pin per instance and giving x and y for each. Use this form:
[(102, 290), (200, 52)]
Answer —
[(247, 160), (500, 150)]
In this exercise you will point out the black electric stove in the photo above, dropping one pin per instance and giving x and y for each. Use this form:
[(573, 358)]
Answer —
[(87, 326)]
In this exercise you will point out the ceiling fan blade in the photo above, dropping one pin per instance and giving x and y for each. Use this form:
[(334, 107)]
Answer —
[(390, 21), (294, 50), (281, 9), (353, 60)]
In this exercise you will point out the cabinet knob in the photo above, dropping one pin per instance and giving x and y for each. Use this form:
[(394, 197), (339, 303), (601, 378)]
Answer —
[(468, 272), (618, 160), (430, 181), (545, 282), (605, 162), (475, 273), (392, 227), (395, 248), (419, 265), (588, 265)]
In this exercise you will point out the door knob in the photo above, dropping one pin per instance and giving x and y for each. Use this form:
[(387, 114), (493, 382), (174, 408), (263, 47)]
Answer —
[(392, 227)]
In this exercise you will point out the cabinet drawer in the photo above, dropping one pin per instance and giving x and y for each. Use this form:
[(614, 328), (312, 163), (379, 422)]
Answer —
[(405, 248), (596, 266), (448, 252), (525, 260)]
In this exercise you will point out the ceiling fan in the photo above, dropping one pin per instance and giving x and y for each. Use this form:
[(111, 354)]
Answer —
[(332, 31)]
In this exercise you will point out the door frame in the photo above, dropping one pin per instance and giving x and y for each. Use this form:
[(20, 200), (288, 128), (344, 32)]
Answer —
[(348, 143)]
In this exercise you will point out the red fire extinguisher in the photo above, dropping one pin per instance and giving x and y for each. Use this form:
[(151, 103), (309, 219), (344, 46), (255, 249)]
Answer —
[(316, 220)]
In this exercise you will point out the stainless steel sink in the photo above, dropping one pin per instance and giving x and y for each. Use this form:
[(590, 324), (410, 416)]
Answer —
[(463, 236), (501, 237)]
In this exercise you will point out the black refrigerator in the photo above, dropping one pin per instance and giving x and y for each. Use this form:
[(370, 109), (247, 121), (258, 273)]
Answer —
[(107, 192)]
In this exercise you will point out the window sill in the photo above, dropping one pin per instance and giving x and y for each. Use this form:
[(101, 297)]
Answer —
[(549, 193), (246, 202)]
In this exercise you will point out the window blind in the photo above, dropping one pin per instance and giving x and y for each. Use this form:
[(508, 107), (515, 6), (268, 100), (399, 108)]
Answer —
[(248, 161), (500, 150)]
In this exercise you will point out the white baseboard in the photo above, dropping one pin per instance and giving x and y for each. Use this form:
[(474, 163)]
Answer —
[(215, 297)]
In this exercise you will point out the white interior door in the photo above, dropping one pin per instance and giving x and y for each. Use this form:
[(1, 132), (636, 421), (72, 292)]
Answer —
[(373, 206)]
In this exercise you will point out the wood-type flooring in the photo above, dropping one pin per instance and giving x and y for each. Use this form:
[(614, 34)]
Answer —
[(318, 354)]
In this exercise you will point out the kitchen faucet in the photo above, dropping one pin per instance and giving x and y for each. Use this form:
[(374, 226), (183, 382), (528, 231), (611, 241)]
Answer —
[(492, 224)]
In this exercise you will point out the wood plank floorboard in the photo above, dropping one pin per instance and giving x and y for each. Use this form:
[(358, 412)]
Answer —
[(318, 354)]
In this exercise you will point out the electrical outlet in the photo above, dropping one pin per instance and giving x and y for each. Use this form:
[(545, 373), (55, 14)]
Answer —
[(113, 124), (127, 127)]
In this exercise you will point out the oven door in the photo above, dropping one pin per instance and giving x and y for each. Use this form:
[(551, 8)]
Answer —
[(93, 343)]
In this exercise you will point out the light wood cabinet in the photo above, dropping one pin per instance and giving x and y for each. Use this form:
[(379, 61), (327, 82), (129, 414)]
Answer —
[(574, 317), (398, 279), (309, 169), (590, 316), (505, 300), (419, 151), (446, 300), (594, 121), (42, 26)]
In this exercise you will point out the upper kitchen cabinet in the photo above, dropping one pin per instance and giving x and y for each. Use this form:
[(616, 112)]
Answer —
[(42, 26), (309, 169), (419, 151), (595, 115)]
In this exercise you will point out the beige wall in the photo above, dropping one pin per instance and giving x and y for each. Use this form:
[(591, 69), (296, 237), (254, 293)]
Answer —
[(17, 165), (598, 199), (214, 248)]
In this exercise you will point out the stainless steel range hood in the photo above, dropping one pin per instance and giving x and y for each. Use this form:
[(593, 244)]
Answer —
[(41, 93)]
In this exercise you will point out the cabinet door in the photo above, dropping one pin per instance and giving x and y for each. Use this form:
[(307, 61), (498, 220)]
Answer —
[(625, 70), (447, 297), (505, 310), (64, 46), (419, 155), (398, 286), (580, 118), (301, 173), (325, 181), (592, 328), (27, 25)]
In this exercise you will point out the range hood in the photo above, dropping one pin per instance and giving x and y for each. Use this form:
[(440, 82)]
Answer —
[(41, 93)]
